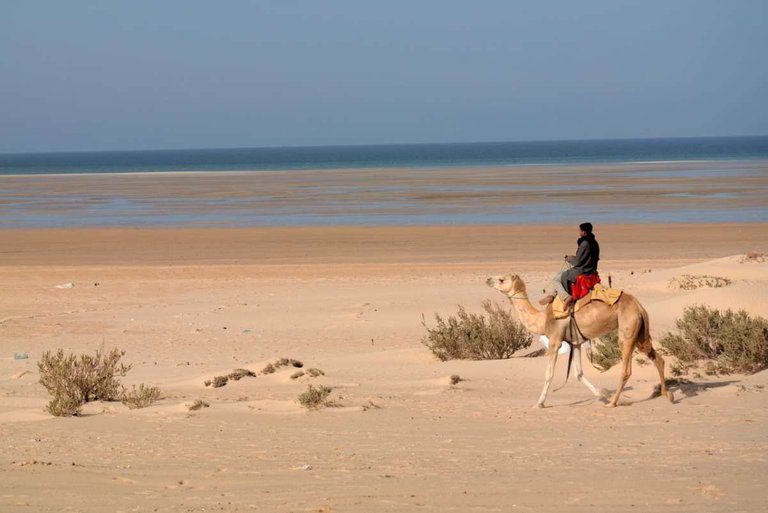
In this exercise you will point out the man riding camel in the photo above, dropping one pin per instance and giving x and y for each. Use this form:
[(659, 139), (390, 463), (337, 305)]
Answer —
[(584, 262)]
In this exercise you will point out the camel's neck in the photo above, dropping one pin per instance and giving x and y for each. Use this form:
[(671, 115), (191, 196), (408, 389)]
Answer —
[(533, 319)]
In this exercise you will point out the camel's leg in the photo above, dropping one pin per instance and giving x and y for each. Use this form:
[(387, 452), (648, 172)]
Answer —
[(626, 370), (580, 372), (549, 373), (658, 361)]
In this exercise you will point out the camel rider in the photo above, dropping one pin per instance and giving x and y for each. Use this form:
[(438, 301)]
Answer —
[(584, 262)]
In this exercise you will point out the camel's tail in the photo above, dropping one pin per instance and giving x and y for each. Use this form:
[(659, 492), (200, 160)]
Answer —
[(645, 336)]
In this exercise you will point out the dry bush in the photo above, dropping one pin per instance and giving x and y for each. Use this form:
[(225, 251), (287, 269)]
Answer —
[(731, 341), (455, 379), (754, 257), (268, 369), (73, 381), (199, 404), (297, 375), (140, 397), (284, 362), (607, 353), (315, 397), (314, 372), (697, 281), (238, 374), (471, 336), (219, 381)]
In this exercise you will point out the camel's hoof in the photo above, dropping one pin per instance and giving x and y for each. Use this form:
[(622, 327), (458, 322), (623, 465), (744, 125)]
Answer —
[(538, 405), (671, 396), (610, 405)]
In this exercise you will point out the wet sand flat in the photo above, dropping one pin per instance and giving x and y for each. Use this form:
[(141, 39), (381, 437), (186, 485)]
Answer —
[(698, 192)]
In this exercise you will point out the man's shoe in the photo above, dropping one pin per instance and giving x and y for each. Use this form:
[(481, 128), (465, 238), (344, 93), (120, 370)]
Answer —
[(546, 300)]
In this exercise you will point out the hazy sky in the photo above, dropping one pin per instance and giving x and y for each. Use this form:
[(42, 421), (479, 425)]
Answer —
[(90, 75)]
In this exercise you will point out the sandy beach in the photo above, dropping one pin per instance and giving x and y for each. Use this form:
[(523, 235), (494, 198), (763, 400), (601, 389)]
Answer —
[(188, 304)]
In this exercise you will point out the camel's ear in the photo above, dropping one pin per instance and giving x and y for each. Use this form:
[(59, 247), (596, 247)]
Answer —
[(513, 276)]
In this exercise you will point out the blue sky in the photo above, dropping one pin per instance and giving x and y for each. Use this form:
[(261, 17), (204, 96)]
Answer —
[(80, 75)]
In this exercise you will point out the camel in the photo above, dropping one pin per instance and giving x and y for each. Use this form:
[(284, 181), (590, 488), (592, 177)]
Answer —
[(594, 320)]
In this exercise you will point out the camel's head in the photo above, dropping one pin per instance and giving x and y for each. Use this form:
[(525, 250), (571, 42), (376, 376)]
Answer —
[(510, 284)]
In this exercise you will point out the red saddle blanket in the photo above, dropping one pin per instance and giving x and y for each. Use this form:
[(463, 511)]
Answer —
[(584, 283)]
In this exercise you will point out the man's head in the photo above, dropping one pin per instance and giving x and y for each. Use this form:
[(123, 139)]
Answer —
[(585, 229)]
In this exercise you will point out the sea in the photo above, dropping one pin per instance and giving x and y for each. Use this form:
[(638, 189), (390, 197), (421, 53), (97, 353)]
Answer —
[(27, 204)]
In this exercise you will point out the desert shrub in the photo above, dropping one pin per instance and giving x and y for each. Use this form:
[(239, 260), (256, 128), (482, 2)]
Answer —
[(219, 381), (697, 281), (268, 369), (315, 397), (455, 379), (65, 405), (284, 362), (732, 341), (199, 404), (471, 336), (72, 381), (140, 397), (237, 374), (753, 256), (607, 353), (297, 375), (314, 372)]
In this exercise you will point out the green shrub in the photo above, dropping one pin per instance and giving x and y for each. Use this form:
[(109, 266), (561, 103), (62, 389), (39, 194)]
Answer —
[(732, 341), (607, 353), (72, 381), (315, 397), (473, 337), (141, 397)]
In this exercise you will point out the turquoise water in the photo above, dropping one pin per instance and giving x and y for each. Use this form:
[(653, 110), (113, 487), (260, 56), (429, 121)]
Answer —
[(390, 156)]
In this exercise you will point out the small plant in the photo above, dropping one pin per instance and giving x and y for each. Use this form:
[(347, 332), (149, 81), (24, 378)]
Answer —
[(297, 375), (199, 404), (455, 379), (284, 362), (65, 405), (315, 397), (697, 281), (140, 397), (73, 381), (238, 374), (732, 341), (268, 369), (754, 257), (313, 372), (473, 337), (607, 353), (219, 381)]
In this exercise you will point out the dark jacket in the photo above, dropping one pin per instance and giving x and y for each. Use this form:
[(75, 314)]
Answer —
[(585, 261)]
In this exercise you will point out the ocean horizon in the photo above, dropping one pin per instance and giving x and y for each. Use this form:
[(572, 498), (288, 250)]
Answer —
[(478, 154), (694, 180)]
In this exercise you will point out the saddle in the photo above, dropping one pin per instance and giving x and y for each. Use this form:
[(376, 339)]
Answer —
[(596, 293)]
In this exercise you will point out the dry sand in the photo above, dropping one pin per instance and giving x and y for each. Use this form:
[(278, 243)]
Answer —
[(186, 305)]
